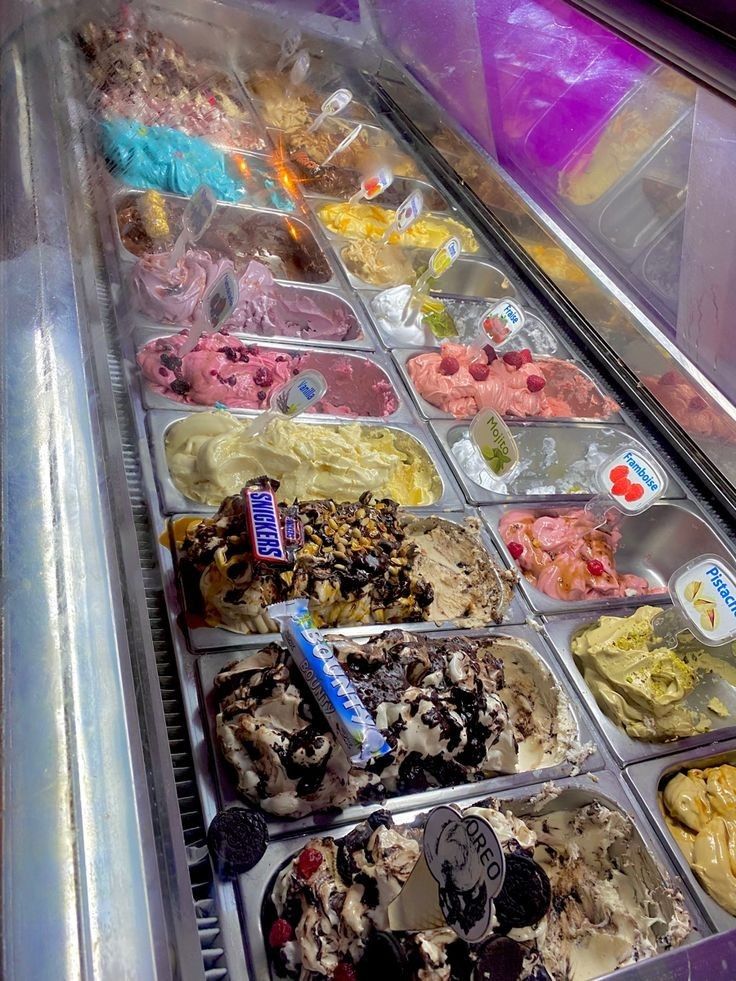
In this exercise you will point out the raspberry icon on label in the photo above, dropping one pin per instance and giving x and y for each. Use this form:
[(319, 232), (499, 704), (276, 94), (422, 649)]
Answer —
[(618, 473), (621, 487), (634, 493)]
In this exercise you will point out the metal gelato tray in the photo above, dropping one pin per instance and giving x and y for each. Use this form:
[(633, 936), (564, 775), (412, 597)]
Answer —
[(571, 442), (467, 277), (647, 780), (467, 313), (255, 887), (174, 502), (402, 356), (203, 638), (561, 630), (401, 188), (653, 545), (659, 266), (146, 332), (339, 239), (307, 244), (547, 672)]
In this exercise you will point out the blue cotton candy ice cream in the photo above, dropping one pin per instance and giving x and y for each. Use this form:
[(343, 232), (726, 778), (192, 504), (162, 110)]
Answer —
[(164, 159)]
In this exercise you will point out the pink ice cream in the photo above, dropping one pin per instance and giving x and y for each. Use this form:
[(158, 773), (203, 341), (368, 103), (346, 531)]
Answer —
[(264, 307), (462, 380), (221, 368), (566, 557)]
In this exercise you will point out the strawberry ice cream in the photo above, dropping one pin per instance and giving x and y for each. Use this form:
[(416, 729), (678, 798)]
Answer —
[(221, 368), (688, 407), (566, 557), (462, 380), (264, 307)]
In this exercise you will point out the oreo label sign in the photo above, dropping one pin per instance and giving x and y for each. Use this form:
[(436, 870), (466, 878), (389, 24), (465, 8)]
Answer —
[(467, 862), (264, 522)]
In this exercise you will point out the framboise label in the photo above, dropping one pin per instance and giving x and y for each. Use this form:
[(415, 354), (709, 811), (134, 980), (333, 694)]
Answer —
[(264, 523), (494, 442), (704, 591), (632, 480), (467, 862), (501, 321)]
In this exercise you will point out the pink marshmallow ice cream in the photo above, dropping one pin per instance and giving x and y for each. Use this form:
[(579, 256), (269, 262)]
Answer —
[(221, 368), (171, 296), (566, 557)]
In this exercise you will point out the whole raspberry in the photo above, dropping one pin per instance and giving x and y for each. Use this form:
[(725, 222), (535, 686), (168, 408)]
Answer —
[(526, 355), (280, 933), (449, 365), (479, 371), (513, 359), (669, 378), (490, 353), (308, 862), (516, 549), (618, 473), (621, 487), (535, 383), (697, 404), (634, 493), (596, 567), (263, 377), (344, 972)]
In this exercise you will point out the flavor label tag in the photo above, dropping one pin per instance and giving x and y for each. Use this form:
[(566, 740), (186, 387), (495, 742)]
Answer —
[(377, 183), (219, 300), (264, 523), (343, 145), (409, 210), (300, 69), (336, 102), (467, 863), (493, 440), (632, 480), (298, 395), (704, 592), (444, 256), (199, 212), (502, 320)]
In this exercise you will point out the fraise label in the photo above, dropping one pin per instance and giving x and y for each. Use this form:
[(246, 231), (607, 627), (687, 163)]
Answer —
[(264, 523), (704, 591), (632, 479), (495, 443), (502, 320)]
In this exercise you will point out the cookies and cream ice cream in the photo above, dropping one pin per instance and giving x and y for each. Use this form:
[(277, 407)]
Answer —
[(371, 149), (462, 379), (211, 455), (372, 221), (576, 903), (362, 562), (454, 710), (636, 679), (566, 557), (223, 369), (700, 810)]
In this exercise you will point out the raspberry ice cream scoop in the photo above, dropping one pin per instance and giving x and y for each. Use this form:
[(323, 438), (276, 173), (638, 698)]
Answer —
[(566, 557), (463, 379)]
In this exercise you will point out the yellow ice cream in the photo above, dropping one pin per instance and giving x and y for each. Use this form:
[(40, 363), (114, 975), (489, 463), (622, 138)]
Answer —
[(361, 221), (636, 683), (210, 456), (700, 810), (378, 265)]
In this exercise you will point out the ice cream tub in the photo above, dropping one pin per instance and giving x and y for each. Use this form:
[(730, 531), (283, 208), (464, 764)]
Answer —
[(641, 854), (343, 183), (659, 266), (561, 631), (203, 638), (386, 309), (409, 435), (558, 460), (370, 219), (403, 356), (346, 372), (653, 545), (468, 276), (239, 233), (517, 647), (649, 779)]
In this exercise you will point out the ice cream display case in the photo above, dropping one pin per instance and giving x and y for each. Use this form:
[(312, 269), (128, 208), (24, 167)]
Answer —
[(337, 358)]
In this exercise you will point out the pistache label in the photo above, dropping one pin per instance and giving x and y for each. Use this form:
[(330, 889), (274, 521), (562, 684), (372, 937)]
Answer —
[(495, 443), (705, 592)]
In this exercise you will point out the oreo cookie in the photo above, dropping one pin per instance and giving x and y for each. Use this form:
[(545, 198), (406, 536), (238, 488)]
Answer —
[(525, 895), (383, 957), (237, 839), (500, 959)]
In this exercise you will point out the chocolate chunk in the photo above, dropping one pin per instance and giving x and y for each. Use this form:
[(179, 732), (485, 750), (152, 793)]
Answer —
[(500, 959), (237, 840), (525, 895), (383, 957)]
